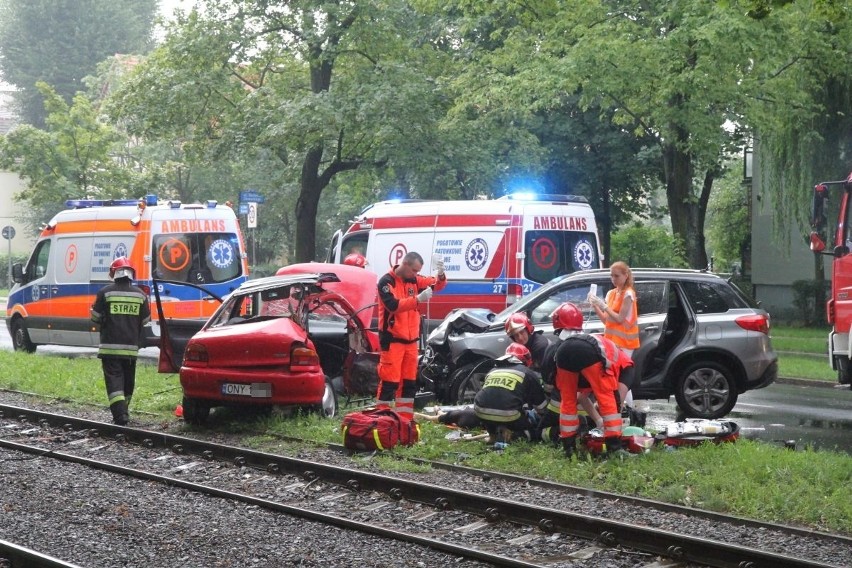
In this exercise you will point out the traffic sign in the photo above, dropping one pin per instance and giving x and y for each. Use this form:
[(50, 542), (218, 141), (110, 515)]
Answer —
[(8, 232), (251, 197), (251, 217)]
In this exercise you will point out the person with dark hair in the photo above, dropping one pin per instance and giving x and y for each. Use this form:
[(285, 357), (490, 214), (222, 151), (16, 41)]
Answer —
[(401, 292), (121, 309)]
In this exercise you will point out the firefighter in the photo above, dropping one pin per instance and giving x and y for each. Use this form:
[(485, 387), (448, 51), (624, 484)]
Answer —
[(520, 329), (511, 399), (599, 362), (355, 259), (121, 309), (565, 316), (401, 292)]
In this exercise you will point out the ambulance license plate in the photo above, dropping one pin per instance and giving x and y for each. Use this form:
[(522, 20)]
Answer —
[(254, 390)]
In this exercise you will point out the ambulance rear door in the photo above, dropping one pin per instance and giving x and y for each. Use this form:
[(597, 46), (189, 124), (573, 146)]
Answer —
[(195, 244), (559, 238)]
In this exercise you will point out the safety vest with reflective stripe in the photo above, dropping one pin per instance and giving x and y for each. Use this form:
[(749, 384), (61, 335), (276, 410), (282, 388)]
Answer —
[(624, 334)]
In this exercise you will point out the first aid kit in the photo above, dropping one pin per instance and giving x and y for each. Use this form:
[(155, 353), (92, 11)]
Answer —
[(378, 429)]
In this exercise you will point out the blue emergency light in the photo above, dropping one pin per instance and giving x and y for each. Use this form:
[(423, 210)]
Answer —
[(83, 203)]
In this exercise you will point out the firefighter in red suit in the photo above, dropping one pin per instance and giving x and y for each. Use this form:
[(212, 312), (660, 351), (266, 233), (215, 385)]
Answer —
[(600, 362), (401, 292)]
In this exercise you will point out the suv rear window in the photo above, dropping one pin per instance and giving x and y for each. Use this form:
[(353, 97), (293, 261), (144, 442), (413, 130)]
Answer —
[(712, 297)]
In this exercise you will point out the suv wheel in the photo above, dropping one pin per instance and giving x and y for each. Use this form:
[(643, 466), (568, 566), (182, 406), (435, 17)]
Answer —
[(706, 390), (466, 381)]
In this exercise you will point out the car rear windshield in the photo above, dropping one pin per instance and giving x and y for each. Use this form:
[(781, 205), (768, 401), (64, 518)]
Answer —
[(714, 297)]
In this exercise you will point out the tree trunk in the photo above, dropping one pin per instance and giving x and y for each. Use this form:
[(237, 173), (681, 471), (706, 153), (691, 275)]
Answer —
[(306, 206), (686, 211)]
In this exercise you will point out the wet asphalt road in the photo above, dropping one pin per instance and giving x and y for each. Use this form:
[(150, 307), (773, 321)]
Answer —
[(803, 413)]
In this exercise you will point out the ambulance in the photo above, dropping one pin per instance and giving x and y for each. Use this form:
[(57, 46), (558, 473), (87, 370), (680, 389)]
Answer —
[(173, 242), (494, 251)]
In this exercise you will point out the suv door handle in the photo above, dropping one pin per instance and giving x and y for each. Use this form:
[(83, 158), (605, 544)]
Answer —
[(652, 328)]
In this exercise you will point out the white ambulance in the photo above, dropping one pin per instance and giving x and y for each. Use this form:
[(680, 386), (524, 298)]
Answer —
[(494, 251), (196, 243)]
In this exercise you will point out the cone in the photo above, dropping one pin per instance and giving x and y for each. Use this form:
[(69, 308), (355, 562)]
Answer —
[(179, 411)]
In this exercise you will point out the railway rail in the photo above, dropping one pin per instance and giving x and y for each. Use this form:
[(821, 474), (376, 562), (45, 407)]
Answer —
[(489, 528)]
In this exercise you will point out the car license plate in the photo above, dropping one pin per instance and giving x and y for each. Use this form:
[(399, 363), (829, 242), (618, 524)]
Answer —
[(254, 390)]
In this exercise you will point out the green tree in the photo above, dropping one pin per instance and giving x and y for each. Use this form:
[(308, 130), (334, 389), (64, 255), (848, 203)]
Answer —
[(60, 42), (728, 223), (323, 87), (648, 246), (675, 72), (73, 157)]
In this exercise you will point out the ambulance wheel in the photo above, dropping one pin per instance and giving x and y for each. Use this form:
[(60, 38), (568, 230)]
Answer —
[(328, 407), (21, 338), (706, 390), (195, 411), (465, 382)]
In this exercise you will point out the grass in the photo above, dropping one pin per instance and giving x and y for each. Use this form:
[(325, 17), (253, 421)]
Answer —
[(748, 478), (802, 352)]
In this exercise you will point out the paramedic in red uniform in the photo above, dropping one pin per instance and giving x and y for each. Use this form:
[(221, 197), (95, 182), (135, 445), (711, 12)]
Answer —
[(121, 309), (600, 362), (401, 292)]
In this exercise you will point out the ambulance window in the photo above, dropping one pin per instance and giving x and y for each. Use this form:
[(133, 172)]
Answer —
[(37, 266), (355, 244), (200, 258), (554, 253)]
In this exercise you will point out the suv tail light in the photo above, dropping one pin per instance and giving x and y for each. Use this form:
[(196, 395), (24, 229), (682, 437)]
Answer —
[(196, 353), (303, 358), (757, 323)]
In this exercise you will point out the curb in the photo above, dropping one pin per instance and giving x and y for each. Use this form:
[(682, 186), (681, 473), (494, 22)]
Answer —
[(810, 383)]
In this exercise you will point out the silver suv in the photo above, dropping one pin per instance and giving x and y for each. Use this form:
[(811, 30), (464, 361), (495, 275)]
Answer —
[(702, 339)]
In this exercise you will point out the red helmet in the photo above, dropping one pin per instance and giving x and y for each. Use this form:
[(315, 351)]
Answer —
[(121, 268), (519, 352), (356, 259), (517, 322), (567, 316)]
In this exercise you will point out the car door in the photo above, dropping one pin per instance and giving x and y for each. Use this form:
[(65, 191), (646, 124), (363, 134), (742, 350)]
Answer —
[(652, 299)]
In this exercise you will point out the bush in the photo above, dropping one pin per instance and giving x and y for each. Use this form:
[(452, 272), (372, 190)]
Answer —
[(643, 246), (809, 300)]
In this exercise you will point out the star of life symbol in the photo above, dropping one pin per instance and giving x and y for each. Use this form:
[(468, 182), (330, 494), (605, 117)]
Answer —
[(220, 253), (120, 250), (476, 254), (584, 254)]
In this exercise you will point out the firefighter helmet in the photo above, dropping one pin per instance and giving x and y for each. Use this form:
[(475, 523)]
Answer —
[(517, 322), (355, 259), (519, 352), (121, 268), (567, 316)]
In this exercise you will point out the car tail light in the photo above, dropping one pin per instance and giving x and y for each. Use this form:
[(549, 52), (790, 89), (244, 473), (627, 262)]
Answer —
[(195, 353), (757, 323), (303, 358)]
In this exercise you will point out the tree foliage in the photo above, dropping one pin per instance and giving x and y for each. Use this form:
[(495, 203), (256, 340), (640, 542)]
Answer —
[(648, 246), (323, 87), (60, 42), (73, 157)]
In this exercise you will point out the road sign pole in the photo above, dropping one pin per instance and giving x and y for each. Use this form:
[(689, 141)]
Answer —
[(9, 278)]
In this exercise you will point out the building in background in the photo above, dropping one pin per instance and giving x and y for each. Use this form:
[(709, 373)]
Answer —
[(10, 184)]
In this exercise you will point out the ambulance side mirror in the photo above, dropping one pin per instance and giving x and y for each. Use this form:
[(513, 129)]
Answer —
[(18, 272)]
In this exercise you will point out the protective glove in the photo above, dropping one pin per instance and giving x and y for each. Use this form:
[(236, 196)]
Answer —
[(596, 301), (425, 294), (439, 266)]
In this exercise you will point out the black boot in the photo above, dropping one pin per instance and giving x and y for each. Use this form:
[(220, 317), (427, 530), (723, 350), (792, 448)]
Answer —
[(119, 412), (569, 446)]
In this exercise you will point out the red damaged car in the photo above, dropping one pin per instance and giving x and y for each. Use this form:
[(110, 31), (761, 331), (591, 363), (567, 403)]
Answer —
[(284, 340)]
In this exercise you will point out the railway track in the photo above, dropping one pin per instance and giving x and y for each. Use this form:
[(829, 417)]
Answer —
[(481, 527)]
